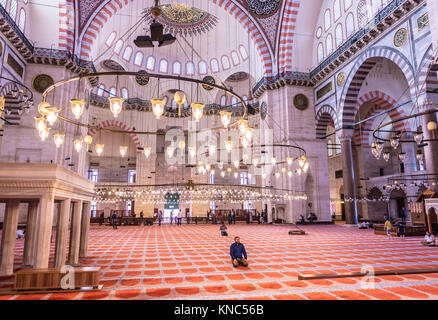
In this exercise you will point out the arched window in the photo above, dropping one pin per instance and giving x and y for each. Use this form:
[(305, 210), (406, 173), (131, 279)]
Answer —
[(318, 32), (329, 147), (320, 52), (176, 68), (338, 145), (127, 54), (362, 14), (235, 58), (337, 9), (327, 20), (125, 93), (190, 68), (243, 52), (329, 44), (150, 63), (223, 101), (349, 24), (112, 92), (110, 40), (234, 102), (214, 65), (163, 66), (100, 90), (13, 9), (138, 59), (245, 98), (225, 62), (339, 35), (118, 46), (202, 67), (347, 4), (22, 20)]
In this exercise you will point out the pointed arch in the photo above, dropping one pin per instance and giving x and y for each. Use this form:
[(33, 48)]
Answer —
[(326, 115)]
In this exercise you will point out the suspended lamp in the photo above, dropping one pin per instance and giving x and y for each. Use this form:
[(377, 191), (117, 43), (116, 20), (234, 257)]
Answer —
[(289, 160), (170, 151), (180, 99), (211, 149), (395, 142), (274, 161), (225, 117), (235, 175), (212, 172), (431, 126), (229, 170), (88, 140), (223, 174), (208, 167), (306, 167), (418, 137), (197, 110), (386, 156), (277, 175), (229, 145), (236, 163), (245, 142), (77, 143), (220, 165), (52, 116), (255, 162), (283, 170), (44, 133), (289, 173), (192, 152), (116, 104), (77, 107), (58, 138), (181, 145), (242, 125), (248, 133), (402, 156), (299, 171), (158, 107), (40, 123), (99, 148), (245, 157), (123, 150), (147, 152)]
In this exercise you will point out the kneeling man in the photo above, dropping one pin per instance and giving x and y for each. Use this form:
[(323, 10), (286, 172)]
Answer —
[(238, 253)]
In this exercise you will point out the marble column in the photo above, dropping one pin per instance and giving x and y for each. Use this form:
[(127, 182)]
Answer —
[(75, 233), (85, 227), (62, 233), (30, 238), (410, 163), (9, 235), (349, 178), (431, 150), (44, 231)]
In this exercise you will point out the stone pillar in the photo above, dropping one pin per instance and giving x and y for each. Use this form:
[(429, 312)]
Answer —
[(410, 163), (75, 233), (431, 151), (44, 231), (9, 235), (349, 178), (62, 233), (30, 238), (85, 227)]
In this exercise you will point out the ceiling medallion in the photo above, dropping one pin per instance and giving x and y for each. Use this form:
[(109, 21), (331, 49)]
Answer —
[(263, 7), (141, 78), (41, 82), (179, 18), (401, 37), (301, 102), (208, 79), (263, 110), (340, 79)]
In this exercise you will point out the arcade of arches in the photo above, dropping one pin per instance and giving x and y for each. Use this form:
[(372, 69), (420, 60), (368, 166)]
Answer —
[(118, 119)]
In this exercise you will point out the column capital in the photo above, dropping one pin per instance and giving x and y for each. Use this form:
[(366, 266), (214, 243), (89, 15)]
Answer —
[(345, 134)]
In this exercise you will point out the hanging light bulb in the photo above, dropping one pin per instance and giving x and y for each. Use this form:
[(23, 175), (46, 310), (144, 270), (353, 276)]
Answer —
[(225, 117), (147, 152), (289, 173), (386, 156), (248, 133), (192, 152), (123, 150), (197, 110), (208, 167), (289, 160), (181, 145), (212, 172), (249, 175), (158, 107), (40, 123), (58, 138), (236, 163), (220, 165), (263, 175), (229, 145), (223, 174), (78, 144), (395, 141), (88, 140), (245, 142), (306, 167), (402, 156), (52, 116), (299, 171), (302, 161), (418, 137), (44, 133), (244, 157), (99, 148), (242, 125), (212, 149), (77, 107), (277, 175), (255, 162), (235, 175), (229, 170), (116, 104), (274, 161), (283, 170), (170, 151)]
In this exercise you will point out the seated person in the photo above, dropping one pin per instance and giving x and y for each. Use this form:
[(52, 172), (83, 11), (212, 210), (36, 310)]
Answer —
[(302, 220), (429, 239), (223, 229), (363, 225), (238, 253), (20, 233)]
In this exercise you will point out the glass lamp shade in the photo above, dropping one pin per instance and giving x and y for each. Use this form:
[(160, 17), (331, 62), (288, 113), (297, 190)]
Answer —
[(379, 147), (402, 156), (245, 142), (386, 156), (420, 157), (242, 125), (289, 160), (264, 176), (44, 134), (42, 108), (77, 107), (283, 170), (394, 142), (289, 173), (58, 138), (40, 123), (229, 170), (236, 163), (158, 107), (223, 174), (88, 139), (170, 151), (220, 165), (277, 175), (179, 97), (52, 116), (235, 175), (181, 145), (306, 167), (418, 137), (78, 144), (299, 171), (147, 152), (274, 160), (123, 150), (192, 151), (431, 125), (245, 157), (197, 110), (229, 145), (99, 148), (116, 104), (248, 133), (225, 117)]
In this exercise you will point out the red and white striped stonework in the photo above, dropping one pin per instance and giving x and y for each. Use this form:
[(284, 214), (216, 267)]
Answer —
[(66, 25), (285, 44)]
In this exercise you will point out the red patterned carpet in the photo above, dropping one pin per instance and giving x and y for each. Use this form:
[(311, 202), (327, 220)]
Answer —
[(192, 262)]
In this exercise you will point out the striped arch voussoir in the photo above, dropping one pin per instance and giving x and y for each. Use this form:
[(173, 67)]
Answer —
[(325, 116), (119, 124), (113, 6), (285, 45), (66, 25)]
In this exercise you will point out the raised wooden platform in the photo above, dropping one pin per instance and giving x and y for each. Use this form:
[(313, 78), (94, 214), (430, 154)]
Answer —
[(410, 231), (360, 274)]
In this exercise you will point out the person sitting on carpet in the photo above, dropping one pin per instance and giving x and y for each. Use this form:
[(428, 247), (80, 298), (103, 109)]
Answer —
[(20, 233), (429, 240), (223, 229), (238, 253), (364, 225)]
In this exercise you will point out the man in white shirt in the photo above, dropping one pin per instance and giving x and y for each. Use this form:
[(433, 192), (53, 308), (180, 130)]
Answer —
[(20, 233), (429, 240), (179, 217)]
